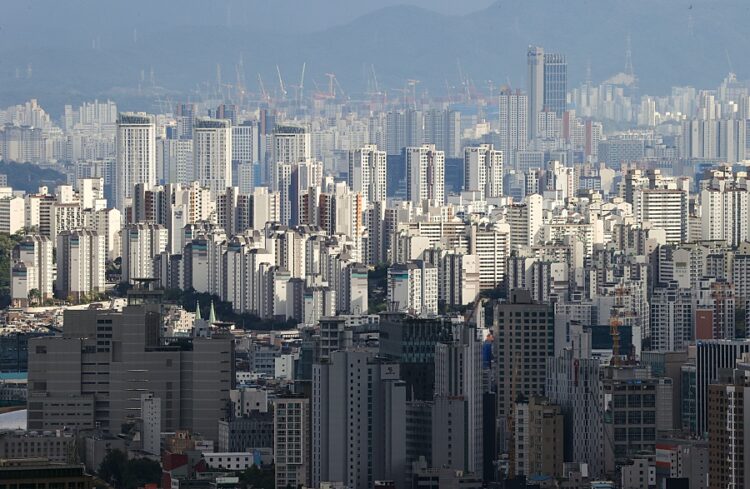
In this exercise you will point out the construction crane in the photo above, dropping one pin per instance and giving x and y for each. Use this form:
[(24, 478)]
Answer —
[(301, 88), (412, 85), (263, 92), (281, 83)]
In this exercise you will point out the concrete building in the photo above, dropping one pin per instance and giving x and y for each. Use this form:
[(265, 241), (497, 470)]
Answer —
[(136, 154), (367, 173), (56, 447), (246, 433), (291, 144), (525, 220), (572, 382), (636, 407), (457, 426), (483, 171), (212, 154), (514, 125), (538, 437), (413, 288), (491, 244), (32, 268), (140, 244), (358, 420), (292, 442), (81, 264), (11, 214), (151, 424), (665, 209), (84, 379), (524, 338), (425, 174)]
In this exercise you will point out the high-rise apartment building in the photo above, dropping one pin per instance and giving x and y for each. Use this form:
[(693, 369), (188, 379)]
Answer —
[(140, 244), (425, 174), (212, 153), (32, 268), (136, 154), (483, 170), (514, 114), (367, 173), (665, 209), (290, 144), (81, 258)]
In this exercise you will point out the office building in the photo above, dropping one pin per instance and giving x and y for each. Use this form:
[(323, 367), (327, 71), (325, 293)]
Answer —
[(711, 357), (292, 441), (111, 354), (524, 335), (572, 382), (358, 411), (457, 405)]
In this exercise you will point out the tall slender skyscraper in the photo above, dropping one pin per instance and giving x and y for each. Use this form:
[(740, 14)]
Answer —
[(547, 84), (514, 112), (136, 154), (535, 86), (212, 153)]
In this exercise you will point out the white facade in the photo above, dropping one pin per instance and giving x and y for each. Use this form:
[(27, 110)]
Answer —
[(425, 174), (483, 170), (81, 259), (212, 154), (140, 244), (367, 173), (136, 154)]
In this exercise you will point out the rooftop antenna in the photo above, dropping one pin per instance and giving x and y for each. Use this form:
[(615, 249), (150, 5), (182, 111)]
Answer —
[(629, 59)]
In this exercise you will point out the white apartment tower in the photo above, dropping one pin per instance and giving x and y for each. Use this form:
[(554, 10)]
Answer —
[(514, 112), (367, 173), (291, 144), (425, 174), (212, 153), (136, 154), (81, 258), (483, 170)]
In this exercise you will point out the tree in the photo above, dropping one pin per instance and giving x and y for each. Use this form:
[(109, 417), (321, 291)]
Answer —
[(35, 296), (128, 474), (112, 467), (258, 477)]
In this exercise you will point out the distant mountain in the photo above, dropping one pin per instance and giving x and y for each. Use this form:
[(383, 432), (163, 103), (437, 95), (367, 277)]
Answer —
[(82, 49)]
